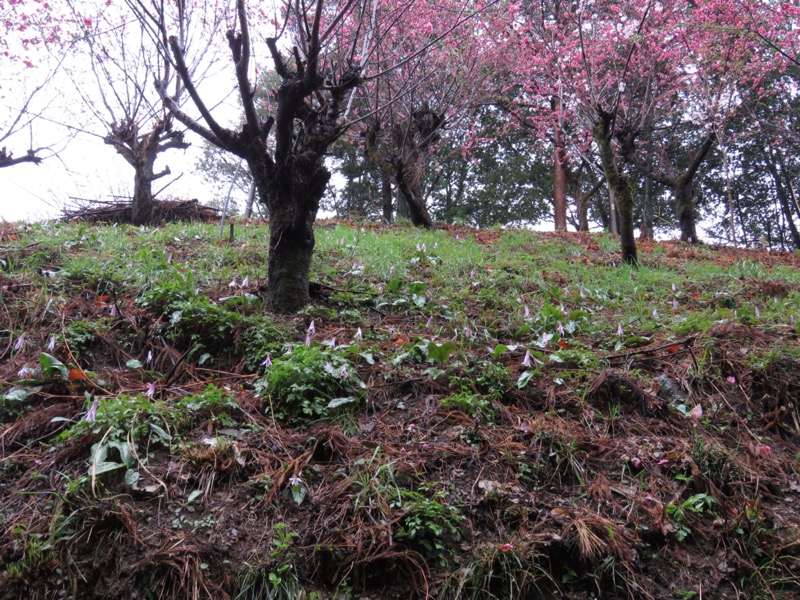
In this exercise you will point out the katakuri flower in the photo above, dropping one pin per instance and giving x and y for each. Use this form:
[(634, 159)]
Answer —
[(92, 413), (527, 361)]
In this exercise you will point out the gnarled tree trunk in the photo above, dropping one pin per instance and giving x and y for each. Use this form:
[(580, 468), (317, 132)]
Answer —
[(403, 154), (683, 190), (141, 152), (619, 186)]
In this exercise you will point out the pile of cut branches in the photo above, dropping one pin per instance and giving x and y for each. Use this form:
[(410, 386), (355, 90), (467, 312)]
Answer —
[(165, 211)]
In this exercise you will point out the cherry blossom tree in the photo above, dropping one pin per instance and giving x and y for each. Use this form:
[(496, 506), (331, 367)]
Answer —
[(406, 112), (597, 70)]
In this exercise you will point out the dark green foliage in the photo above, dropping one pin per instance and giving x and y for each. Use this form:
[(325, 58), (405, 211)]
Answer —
[(308, 383), (192, 319), (260, 336), (80, 335)]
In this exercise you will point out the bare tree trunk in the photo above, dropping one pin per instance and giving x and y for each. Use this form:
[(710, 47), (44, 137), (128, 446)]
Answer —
[(581, 207), (559, 182), (646, 226), (683, 189), (386, 196), (251, 195), (619, 187), (143, 201), (726, 168), (412, 195), (141, 151)]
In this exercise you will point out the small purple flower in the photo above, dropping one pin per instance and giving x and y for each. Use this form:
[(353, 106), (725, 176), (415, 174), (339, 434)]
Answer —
[(112, 310), (560, 329), (92, 414), (655, 313), (472, 273), (149, 358), (526, 313), (51, 344), (429, 322), (25, 372), (563, 310), (758, 312), (246, 281), (674, 304), (527, 362), (467, 332), (358, 335), (308, 340), (343, 373), (620, 333), (311, 328), (233, 283), (267, 362), (151, 389), (674, 289), (20, 343)]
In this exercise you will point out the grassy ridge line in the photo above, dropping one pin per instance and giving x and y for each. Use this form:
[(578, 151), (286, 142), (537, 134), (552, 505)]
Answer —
[(518, 411)]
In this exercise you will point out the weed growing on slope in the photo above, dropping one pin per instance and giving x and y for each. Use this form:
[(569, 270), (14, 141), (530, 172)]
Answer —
[(308, 383)]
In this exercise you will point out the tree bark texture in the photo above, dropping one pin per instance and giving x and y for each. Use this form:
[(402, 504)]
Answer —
[(619, 186), (683, 190), (403, 153), (559, 183)]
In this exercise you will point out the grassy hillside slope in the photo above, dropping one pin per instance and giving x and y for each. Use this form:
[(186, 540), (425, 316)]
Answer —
[(460, 414)]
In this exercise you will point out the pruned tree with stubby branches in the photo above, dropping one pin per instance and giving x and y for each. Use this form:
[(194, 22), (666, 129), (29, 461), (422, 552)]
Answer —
[(321, 52), (114, 80)]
